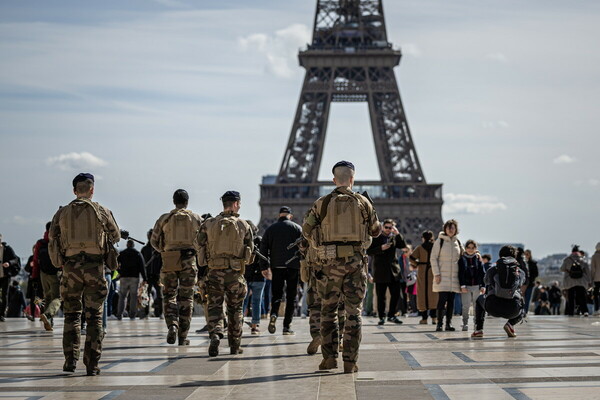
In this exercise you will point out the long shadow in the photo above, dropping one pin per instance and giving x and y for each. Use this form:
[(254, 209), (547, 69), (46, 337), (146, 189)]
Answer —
[(258, 379)]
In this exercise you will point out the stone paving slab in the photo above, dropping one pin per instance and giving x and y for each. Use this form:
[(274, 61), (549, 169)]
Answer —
[(553, 357)]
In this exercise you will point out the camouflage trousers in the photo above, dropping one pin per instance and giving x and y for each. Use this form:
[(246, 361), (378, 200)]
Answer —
[(230, 286), (335, 279), (178, 295), (83, 279), (313, 301)]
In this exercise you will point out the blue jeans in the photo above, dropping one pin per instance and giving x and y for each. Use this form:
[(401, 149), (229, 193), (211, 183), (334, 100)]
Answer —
[(255, 289), (266, 303), (105, 310)]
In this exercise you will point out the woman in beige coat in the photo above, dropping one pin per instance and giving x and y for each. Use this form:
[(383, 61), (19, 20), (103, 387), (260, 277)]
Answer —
[(445, 254), (426, 298)]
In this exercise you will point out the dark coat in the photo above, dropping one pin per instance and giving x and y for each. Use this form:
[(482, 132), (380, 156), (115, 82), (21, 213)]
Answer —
[(470, 271), (275, 241), (131, 264), (254, 271), (533, 271), (152, 260), (9, 256), (385, 263), (420, 258)]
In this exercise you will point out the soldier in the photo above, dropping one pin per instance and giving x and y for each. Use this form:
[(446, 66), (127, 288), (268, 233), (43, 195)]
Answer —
[(345, 222), (175, 236), (81, 235), (226, 247)]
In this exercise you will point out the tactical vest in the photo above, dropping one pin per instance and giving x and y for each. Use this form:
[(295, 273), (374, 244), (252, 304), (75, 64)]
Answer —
[(81, 229), (226, 246), (343, 219), (180, 230)]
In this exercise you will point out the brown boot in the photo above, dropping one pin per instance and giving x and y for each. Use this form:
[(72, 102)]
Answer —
[(235, 350), (313, 346), (328, 363), (350, 367), (46, 322)]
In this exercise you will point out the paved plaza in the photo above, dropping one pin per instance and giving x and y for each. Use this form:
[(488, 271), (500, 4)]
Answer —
[(552, 358)]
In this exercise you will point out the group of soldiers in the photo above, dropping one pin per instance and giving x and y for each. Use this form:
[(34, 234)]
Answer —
[(337, 230)]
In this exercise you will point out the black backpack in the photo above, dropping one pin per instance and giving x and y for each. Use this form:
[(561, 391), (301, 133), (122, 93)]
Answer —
[(44, 259), (507, 279), (576, 271)]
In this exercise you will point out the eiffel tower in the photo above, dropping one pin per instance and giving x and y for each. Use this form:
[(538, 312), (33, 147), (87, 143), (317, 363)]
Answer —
[(351, 60)]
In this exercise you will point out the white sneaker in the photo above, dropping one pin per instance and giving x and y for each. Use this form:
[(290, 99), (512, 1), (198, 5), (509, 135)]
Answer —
[(586, 315)]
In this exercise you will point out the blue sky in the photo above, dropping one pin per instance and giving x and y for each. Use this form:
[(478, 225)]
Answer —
[(150, 96)]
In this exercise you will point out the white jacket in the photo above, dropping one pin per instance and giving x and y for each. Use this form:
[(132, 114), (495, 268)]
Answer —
[(444, 262)]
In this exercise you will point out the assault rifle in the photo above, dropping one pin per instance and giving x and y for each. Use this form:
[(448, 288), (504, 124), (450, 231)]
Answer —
[(125, 236), (261, 256)]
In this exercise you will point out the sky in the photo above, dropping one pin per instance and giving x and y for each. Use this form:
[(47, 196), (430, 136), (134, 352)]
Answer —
[(150, 96)]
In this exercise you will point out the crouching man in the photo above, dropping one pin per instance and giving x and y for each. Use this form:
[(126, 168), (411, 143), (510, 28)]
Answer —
[(503, 298)]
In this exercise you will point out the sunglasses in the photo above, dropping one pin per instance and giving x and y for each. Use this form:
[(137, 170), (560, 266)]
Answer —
[(387, 227)]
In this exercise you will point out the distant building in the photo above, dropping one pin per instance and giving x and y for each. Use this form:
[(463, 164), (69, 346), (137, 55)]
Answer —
[(494, 248)]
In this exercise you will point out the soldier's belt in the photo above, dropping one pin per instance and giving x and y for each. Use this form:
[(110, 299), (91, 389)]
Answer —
[(334, 251), (85, 258)]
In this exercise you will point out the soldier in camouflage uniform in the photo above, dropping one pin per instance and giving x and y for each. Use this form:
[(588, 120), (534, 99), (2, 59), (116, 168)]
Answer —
[(226, 247), (175, 236), (81, 256), (313, 301), (345, 221)]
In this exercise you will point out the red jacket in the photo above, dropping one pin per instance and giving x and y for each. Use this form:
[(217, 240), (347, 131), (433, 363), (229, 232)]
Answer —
[(35, 269)]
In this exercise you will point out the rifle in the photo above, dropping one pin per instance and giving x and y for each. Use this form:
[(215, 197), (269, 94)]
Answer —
[(125, 236), (295, 243), (261, 256)]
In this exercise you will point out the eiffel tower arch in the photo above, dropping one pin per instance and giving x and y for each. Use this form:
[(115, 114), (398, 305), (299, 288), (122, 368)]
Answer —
[(351, 60)]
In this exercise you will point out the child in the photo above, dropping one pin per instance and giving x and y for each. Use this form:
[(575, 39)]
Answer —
[(470, 277), (503, 298)]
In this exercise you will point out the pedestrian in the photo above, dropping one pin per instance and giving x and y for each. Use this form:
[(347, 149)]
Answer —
[(175, 236), (50, 281), (503, 298), (345, 222), (595, 277), (34, 288), (256, 285), (470, 276), (80, 239), (227, 247), (153, 265), (131, 266), (555, 297), (387, 270), (10, 265), (445, 254), (16, 301), (487, 262), (284, 267), (427, 299), (532, 269), (576, 280)]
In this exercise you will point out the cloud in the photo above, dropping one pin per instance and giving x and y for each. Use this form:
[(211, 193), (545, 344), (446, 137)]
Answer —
[(593, 182), (171, 3), (564, 159), (500, 57), (471, 204), (280, 49), (495, 125), (26, 221), (411, 49), (75, 161)]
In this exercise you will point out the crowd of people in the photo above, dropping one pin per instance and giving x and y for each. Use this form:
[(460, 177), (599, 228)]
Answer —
[(336, 267)]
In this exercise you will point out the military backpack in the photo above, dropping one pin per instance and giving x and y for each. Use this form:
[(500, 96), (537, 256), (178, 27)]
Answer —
[(81, 229), (226, 242), (180, 230), (343, 219)]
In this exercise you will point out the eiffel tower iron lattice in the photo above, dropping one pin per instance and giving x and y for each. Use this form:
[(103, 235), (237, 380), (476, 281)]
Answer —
[(351, 60)]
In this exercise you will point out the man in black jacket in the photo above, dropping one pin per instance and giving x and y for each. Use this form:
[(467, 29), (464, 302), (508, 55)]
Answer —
[(10, 265), (274, 245), (131, 265), (386, 270), (153, 263)]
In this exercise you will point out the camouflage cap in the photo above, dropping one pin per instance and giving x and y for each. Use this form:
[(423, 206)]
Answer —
[(231, 195), (343, 164), (82, 177)]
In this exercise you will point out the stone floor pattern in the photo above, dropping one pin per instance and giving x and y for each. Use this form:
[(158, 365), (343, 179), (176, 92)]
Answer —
[(552, 358)]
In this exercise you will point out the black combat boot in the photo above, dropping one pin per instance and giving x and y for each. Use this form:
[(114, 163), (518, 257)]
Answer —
[(449, 327)]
